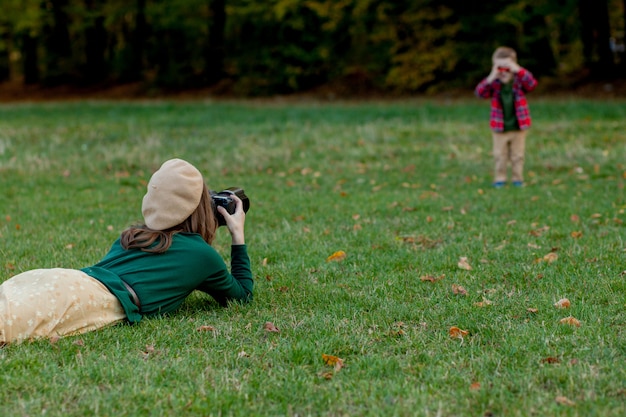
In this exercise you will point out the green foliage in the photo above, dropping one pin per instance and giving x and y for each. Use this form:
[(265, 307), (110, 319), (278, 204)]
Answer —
[(22, 16), (279, 48), (422, 47), (404, 189), (288, 46)]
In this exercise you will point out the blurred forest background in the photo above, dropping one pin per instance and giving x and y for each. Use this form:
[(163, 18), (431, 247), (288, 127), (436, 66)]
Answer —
[(258, 48)]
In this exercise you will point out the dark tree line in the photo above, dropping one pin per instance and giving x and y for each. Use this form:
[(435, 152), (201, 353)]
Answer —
[(251, 47)]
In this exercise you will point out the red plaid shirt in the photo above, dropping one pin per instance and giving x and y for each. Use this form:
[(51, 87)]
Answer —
[(523, 82)]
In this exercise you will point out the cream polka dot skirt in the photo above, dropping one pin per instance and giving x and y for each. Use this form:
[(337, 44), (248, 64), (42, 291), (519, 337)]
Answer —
[(54, 302)]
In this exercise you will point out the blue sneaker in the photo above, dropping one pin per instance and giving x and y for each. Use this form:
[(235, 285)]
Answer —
[(498, 184), (518, 183)]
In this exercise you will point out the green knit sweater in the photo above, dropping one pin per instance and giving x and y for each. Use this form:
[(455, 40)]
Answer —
[(163, 281)]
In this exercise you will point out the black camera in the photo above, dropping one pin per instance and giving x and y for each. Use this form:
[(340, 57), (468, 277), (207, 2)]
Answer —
[(224, 199)]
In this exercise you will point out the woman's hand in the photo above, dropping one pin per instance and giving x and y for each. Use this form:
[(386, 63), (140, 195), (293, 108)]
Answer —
[(235, 222)]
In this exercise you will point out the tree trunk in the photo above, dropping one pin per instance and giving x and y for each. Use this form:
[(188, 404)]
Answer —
[(5, 69), (95, 45), (138, 43), (215, 52), (30, 60), (539, 45), (595, 27), (56, 40), (622, 62)]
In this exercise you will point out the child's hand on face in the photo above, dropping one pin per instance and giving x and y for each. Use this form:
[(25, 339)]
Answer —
[(502, 64), (494, 73), (512, 65), (503, 70)]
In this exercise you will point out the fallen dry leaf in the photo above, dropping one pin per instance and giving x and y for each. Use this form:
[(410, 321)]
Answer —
[(532, 310), (206, 329), (550, 359), (463, 264), (540, 231), (430, 278), (334, 361), (550, 257), (483, 303), (457, 333), (474, 386), (337, 256), (571, 321), (396, 332), (269, 327), (564, 401), (576, 234), (458, 290), (562, 303)]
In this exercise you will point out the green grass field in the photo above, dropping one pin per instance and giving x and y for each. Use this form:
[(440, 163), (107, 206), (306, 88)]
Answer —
[(404, 189)]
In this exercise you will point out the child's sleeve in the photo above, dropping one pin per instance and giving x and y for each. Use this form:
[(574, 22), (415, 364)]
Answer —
[(484, 89), (526, 78)]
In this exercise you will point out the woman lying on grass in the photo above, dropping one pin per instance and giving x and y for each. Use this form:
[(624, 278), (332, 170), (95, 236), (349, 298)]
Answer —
[(148, 271)]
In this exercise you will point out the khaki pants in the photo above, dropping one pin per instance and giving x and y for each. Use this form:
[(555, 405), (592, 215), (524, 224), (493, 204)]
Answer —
[(509, 147), (54, 302)]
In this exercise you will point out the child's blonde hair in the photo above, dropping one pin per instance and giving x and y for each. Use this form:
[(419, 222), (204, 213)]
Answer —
[(504, 52)]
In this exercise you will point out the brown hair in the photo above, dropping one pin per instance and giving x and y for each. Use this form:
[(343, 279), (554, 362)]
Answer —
[(505, 52), (201, 221)]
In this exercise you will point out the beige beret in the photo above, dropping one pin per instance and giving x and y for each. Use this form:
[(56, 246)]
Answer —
[(174, 192)]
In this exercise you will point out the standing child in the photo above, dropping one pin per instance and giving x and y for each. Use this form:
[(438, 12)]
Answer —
[(506, 86)]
